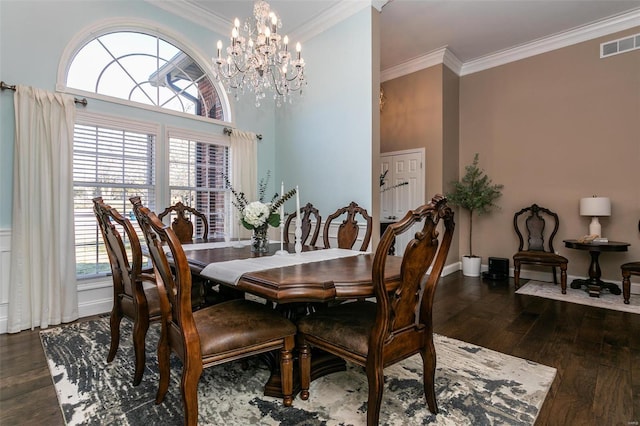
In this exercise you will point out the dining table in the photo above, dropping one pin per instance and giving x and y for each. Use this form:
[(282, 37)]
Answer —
[(295, 289)]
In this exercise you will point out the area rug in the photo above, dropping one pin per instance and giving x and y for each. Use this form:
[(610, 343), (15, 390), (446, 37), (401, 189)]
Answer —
[(581, 296), (474, 386)]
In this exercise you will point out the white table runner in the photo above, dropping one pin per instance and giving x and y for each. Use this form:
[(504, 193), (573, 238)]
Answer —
[(217, 244), (229, 272)]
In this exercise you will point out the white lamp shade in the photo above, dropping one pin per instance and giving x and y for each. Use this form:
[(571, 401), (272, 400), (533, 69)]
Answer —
[(595, 206)]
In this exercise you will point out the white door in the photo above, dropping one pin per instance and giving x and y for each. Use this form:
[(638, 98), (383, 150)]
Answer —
[(399, 197)]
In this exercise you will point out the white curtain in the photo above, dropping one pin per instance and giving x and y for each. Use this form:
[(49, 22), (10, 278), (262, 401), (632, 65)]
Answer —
[(42, 287), (244, 171)]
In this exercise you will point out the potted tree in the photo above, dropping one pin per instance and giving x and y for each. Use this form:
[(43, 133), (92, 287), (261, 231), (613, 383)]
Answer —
[(476, 194)]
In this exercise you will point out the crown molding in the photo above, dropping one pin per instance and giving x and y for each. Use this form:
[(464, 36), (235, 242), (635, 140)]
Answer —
[(554, 42), (577, 35), (194, 13), (330, 17), (440, 56)]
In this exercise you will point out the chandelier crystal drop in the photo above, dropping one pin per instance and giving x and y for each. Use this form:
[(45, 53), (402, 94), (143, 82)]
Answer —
[(258, 59)]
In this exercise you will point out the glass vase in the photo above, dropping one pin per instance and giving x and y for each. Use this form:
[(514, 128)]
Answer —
[(260, 240)]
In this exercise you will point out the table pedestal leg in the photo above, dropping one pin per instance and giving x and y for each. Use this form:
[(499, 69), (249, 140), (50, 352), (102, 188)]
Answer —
[(594, 284), (322, 364)]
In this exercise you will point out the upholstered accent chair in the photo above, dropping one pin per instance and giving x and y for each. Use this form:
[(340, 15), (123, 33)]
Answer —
[(628, 269), (535, 222)]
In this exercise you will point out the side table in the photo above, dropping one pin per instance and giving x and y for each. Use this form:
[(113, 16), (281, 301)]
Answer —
[(594, 284)]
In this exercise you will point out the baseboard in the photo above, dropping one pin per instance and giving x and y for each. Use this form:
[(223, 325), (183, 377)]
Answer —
[(94, 298), (529, 274)]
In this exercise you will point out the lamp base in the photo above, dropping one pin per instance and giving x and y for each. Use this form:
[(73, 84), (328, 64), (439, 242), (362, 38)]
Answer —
[(594, 226)]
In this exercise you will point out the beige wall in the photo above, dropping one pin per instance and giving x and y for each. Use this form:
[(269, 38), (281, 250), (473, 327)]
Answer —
[(554, 128), (421, 111)]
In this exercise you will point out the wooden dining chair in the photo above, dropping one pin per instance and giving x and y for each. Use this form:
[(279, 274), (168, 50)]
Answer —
[(349, 229), (135, 294), (203, 291), (532, 221), (399, 324), (182, 223), (214, 335), (308, 211)]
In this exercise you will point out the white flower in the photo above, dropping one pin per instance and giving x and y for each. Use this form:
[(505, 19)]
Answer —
[(256, 213)]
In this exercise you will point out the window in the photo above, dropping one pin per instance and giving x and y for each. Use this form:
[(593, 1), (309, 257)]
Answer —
[(116, 164), (145, 69), (196, 178), (117, 158)]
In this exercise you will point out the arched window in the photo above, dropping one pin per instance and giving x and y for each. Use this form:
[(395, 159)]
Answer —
[(146, 69)]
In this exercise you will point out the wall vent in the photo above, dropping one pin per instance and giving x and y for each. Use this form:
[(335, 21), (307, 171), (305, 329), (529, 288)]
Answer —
[(622, 45)]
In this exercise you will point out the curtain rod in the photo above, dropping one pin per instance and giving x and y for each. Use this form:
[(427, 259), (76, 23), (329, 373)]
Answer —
[(229, 130), (4, 86)]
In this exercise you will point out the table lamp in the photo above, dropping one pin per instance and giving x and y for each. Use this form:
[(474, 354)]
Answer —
[(595, 207)]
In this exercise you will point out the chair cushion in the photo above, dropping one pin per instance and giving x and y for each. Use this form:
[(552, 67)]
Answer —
[(633, 267), (541, 257), (239, 323), (347, 325)]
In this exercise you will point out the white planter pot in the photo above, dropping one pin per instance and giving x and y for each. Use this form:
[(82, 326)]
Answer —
[(471, 266)]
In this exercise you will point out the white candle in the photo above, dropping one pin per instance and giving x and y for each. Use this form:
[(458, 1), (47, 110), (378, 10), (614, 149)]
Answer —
[(298, 245), (282, 206)]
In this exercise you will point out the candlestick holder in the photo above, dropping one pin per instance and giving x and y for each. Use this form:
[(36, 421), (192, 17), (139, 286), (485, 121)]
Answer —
[(282, 251), (298, 234)]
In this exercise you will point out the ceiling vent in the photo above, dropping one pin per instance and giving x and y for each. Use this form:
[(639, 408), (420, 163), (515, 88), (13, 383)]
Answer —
[(621, 45)]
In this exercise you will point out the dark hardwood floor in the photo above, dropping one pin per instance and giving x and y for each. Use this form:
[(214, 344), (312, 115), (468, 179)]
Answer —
[(596, 353)]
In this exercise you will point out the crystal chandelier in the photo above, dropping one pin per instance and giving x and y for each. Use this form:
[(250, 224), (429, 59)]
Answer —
[(258, 59)]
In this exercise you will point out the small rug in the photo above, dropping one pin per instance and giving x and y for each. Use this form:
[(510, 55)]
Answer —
[(581, 296), (474, 386)]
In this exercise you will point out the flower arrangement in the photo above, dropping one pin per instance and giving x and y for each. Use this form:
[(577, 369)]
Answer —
[(259, 214)]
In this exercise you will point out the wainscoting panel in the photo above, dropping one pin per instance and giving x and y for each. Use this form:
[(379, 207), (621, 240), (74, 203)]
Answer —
[(5, 255)]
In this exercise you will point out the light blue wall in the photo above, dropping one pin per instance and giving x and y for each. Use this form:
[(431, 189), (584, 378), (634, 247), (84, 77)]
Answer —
[(321, 143), (325, 140), (33, 37)]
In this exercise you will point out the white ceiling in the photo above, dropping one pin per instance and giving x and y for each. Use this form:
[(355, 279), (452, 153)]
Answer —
[(470, 29)]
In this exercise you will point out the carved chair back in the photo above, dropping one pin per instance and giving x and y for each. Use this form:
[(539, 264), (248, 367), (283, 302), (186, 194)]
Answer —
[(349, 229), (399, 324), (227, 331), (182, 223), (396, 323), (532, 221), (308, 212), (130, 297)]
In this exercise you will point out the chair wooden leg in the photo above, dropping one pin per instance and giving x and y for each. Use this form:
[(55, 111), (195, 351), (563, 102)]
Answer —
[(626, 286), (555, 279), (189, 390), (375, 377), (429, 376), (305, 369), (114, 323), (140, 327), (164, 353), (563, 279), (516, 274), (286, 370)]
